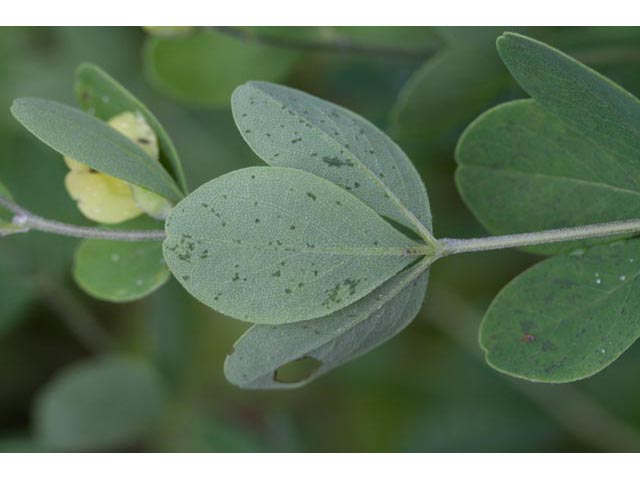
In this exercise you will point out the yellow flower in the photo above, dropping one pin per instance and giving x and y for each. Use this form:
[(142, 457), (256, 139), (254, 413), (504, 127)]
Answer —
[(106, 199)]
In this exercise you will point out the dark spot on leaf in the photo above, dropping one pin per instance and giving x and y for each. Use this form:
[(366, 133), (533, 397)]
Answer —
[(336, 162)]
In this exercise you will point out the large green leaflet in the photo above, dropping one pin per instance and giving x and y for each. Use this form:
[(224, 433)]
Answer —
[(331, 340), (83, 137), (522, 169), (102, 95), (119, 271), (289, 128), (205, 67), (278, 245), (105, 403), (586, 101), (567, 317)]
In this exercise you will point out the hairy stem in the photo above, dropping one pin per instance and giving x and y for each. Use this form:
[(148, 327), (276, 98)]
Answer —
[(452, 246), (337, 44), (27, 220)]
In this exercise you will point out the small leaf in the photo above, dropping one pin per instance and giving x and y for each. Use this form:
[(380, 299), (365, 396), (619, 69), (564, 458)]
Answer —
[(205, 67), (258, 355), (521, 169), (278, 245), (567, 317), (311, 134), (102, 95), (592, 105), (92, 142), (101, 404), (119, 271)]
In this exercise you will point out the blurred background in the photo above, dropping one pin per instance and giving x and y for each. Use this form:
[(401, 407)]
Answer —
[(426, 390)]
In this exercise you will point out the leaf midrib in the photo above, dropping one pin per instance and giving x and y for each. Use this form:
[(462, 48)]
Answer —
[(410, 250), (555, 177)]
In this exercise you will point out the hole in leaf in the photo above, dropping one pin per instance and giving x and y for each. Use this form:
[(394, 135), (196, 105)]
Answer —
[(297, 370)]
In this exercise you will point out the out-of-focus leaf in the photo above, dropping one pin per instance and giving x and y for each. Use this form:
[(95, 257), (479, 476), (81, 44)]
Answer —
[(204, 68), (308, 133), (522, 169), (262, 351), (101, 404), (278, 245), (568, 317), (101, 95), (92, 142), (120, 271), (451, 88), (447, 92)]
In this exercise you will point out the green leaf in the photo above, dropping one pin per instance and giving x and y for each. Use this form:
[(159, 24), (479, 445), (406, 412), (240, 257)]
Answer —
[(567, 317), (521, 169), (92, 142), (119, 271), (204, 68), (101, 404), (102, 95), (262, 351), (278, 245), (584, 100), (289, 128)]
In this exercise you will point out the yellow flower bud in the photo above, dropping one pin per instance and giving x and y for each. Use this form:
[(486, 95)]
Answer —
[(106, 199)]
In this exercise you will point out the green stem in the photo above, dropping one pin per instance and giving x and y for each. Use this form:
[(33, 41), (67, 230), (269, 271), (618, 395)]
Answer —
[(453, 246), (26, 220), (336, 44)]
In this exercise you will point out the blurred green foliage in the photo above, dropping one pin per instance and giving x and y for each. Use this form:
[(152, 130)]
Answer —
[(426, 390)]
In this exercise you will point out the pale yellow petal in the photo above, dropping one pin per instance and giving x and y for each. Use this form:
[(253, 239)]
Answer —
[(102, 198), (76, 166), (151, 203), (134, 126)]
